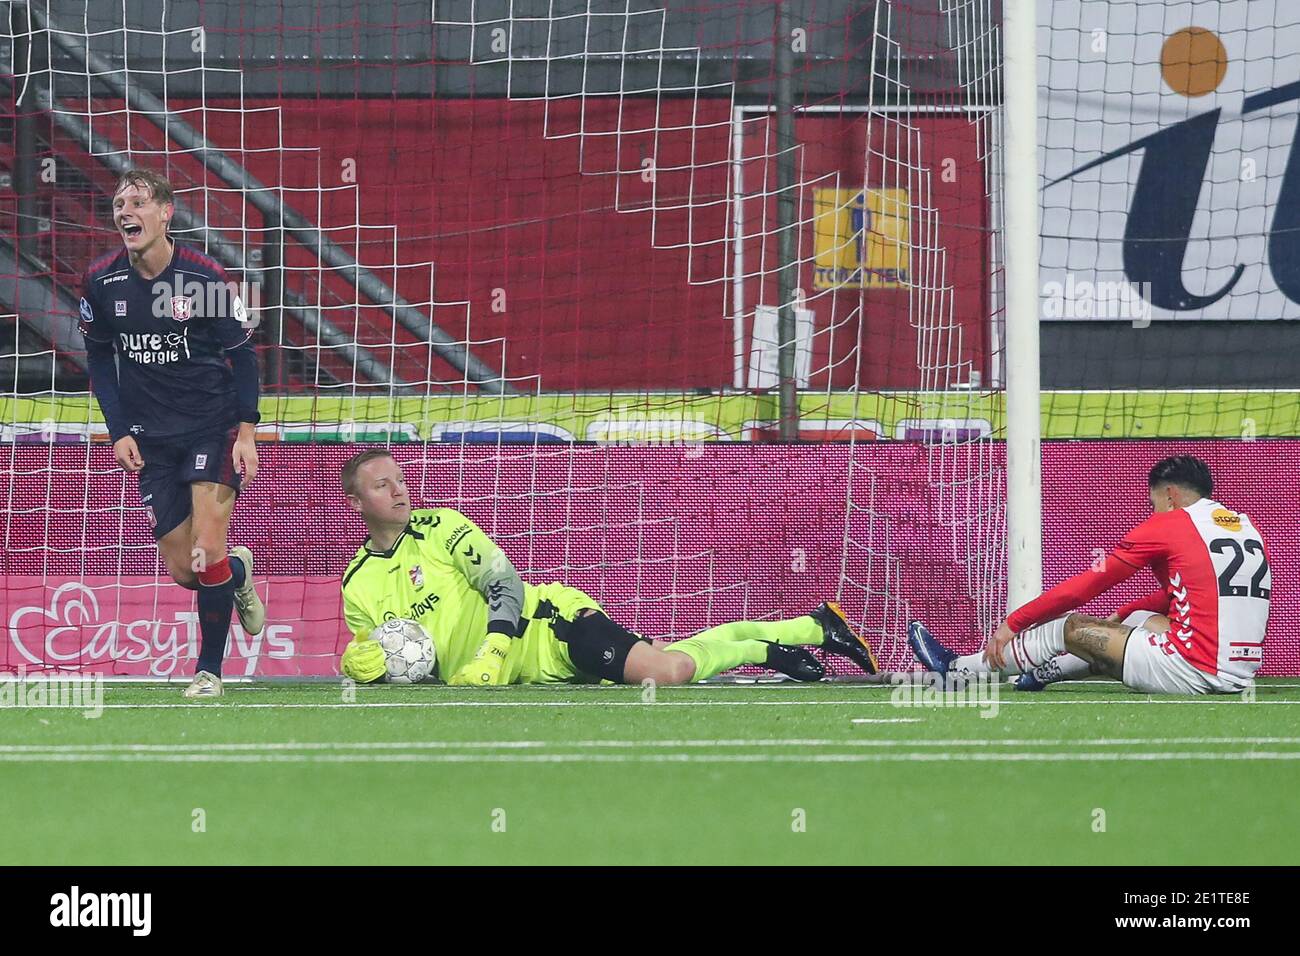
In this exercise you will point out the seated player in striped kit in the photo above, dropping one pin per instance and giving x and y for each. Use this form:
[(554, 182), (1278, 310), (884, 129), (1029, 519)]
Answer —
[(1201, 632), (180, 403), (436, 567)]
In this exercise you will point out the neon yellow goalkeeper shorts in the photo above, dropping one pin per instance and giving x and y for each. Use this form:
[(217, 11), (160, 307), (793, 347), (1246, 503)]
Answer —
[(541, 657)]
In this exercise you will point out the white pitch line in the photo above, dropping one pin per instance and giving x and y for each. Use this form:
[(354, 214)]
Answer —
[(886, 720), (198, 747), (1221, 700), (413, 745), (915, 757)]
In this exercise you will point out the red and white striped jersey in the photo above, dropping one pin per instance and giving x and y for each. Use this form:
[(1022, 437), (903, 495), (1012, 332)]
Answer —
[(1213, 566)]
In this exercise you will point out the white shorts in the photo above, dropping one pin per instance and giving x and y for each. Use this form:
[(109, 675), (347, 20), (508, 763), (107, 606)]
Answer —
[(1153, 665)]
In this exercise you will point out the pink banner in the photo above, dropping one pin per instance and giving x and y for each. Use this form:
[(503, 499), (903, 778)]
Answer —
[(669, 539), (133, 626)]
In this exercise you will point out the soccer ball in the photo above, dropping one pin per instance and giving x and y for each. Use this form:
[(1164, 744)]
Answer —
[(408, 651)]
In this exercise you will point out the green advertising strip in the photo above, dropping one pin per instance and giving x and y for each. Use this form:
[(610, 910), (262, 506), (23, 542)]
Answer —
[(688, 416)]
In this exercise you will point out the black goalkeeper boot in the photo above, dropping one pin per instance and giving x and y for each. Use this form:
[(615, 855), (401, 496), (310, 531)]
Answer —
[(838, 638), (794, 662)]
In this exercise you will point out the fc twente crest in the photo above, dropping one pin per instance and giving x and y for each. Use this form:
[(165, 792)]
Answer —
[(417, 577)]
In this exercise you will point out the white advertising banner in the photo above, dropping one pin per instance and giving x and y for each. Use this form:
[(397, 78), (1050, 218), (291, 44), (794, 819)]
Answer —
[(1170, 187)]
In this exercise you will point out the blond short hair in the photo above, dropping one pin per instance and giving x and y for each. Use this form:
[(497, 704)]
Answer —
[(156, 183), (353, 465)]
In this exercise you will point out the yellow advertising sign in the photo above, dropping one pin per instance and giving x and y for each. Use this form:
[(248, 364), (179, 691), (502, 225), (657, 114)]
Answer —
[(860, 238)]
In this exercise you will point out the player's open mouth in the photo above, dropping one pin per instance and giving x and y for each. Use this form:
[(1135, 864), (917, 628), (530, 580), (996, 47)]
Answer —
[(131, 229)]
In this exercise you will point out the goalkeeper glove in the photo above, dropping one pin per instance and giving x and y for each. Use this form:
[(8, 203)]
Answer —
[(485, 668), (364, 661)]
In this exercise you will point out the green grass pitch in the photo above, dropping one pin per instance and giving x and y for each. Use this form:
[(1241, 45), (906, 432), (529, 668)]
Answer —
[(1085, 773)]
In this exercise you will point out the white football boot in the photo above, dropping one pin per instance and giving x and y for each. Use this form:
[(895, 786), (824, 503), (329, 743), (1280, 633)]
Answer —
[(251, 610), (205, 686)]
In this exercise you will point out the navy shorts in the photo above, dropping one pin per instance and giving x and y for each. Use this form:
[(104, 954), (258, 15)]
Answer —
[(172, 464)]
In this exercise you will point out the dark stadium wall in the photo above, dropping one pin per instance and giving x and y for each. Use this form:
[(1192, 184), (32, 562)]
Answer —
[(866, 335), (1181, 353), (357, 48), (490, 211), (340, 76)]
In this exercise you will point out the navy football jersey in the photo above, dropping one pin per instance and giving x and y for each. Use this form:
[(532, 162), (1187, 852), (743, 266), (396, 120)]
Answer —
[(172, 335)]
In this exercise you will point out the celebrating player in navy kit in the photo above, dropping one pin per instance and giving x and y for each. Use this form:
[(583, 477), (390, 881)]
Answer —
[(180, 403)]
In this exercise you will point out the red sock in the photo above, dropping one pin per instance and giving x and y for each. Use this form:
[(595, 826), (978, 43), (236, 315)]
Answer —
[(215, 575)]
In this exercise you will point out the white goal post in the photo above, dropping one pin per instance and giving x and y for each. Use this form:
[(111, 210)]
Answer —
[(1020, 194)]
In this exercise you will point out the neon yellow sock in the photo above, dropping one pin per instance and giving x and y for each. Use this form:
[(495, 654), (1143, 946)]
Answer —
[(796, 631), (713, 656)]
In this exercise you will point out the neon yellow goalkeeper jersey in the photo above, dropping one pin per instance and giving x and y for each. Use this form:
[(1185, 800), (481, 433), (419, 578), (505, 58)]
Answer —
[(444, 572)]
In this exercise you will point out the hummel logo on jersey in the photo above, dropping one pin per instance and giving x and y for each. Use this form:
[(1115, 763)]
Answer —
[(1183, 608), (417, 576), (200, 461)]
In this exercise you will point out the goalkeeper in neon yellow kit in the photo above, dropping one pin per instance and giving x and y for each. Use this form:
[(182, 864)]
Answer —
[(488, 627)]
